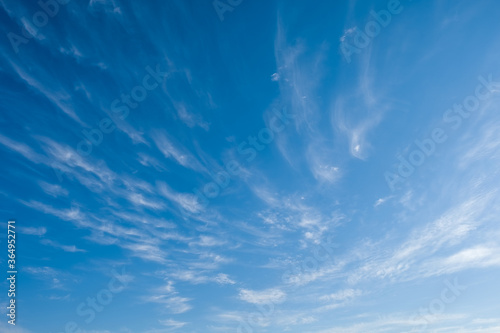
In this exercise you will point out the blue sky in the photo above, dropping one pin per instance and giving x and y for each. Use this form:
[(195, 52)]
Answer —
[(251, 166)]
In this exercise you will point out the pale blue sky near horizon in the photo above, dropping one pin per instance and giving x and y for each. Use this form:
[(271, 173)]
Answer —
[(251, 166)]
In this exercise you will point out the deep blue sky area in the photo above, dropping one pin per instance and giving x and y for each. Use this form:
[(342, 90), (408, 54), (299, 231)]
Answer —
[(250, 166)]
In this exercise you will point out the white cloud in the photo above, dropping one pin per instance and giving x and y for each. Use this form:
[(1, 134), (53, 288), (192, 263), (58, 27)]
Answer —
[(207, 241), (144, 251), (342, 295), (223, 279), (190, 119), (410, 259), (140, 200), (168, 297), (66, 248), (184, 200), (355, 131), (50, 275), (54, 93), (22, 149), (53, 189), (485, 147), (381, 201), (8, 328), (347, 33), (35, 231), (393, 323), (263, 296), (176, 152), (326, 172), (147, 160), (200, 277), (69, 214), (173, 324), (177, 304), (480, 256)]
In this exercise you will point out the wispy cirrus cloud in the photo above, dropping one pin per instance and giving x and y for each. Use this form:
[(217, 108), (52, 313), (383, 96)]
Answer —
[(53, 189), (35, 231), (66, 248), (172, 324), (176, 152), (262, 296), (168, 297)]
